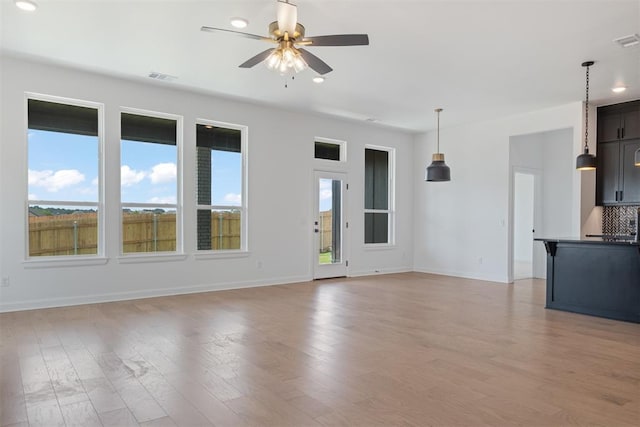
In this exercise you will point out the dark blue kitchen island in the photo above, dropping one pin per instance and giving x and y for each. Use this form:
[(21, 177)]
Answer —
[(595, 276)]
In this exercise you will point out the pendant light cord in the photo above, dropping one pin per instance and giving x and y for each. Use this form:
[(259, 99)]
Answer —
[(438, 110), (586, 114), (438, 139)]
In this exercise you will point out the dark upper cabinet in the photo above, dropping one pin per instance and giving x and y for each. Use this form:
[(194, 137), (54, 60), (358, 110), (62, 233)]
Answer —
[(619, 122), (608, 173), (630, 174), (617, 178)]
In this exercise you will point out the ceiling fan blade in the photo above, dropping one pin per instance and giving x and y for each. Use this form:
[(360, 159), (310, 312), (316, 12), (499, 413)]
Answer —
[(256, 59), (287, 17), (338, 40), (315, 63), (237, 33)]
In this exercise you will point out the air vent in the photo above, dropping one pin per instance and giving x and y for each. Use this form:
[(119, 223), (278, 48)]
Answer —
[(162, 77), (628, 41)]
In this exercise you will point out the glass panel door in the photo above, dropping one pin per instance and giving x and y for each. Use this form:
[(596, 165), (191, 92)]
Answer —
[(329, 225)]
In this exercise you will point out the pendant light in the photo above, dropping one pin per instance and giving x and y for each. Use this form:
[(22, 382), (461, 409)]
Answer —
[(586, 161), (438, 169)]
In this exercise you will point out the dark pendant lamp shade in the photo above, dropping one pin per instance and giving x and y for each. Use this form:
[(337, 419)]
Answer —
[(438, 170), (637, 159), (586, 161)]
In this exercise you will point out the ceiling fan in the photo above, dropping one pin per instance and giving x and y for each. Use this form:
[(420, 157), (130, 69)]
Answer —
[(288, 36)]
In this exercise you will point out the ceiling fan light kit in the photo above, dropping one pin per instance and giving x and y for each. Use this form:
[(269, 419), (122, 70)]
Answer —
[(586, 161), (289, 36)]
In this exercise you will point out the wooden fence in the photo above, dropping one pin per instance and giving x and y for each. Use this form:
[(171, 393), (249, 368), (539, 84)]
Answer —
[(326, 227), (141, 231)]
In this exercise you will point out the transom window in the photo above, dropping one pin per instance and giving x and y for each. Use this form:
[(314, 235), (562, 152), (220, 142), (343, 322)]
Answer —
[(329, 149)]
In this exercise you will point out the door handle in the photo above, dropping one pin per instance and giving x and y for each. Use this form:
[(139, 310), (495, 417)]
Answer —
[(621, 195), (622, 133)]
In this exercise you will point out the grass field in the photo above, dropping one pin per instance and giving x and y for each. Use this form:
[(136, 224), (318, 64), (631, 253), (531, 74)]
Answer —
[(325, 258)]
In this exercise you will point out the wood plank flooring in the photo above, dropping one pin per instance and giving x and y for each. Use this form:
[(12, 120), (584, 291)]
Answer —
[(395, 350)]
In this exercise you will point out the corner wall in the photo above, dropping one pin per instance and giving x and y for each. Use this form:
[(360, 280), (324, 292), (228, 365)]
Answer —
[(280, 194), (461, 227)]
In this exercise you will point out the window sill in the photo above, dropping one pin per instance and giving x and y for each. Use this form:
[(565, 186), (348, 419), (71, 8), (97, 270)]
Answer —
[(157, 257), (379, 247), (51, 262), (204, 255)]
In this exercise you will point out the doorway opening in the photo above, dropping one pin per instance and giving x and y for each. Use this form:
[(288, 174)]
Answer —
[(523, 224)]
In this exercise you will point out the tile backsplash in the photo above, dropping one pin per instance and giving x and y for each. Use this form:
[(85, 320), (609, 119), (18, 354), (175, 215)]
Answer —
[(619, 219)]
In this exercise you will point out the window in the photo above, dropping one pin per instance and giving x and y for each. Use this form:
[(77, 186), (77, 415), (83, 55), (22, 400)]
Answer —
[(220, 165), (329, 149), (63, 177), (149, 183), (378, 195)]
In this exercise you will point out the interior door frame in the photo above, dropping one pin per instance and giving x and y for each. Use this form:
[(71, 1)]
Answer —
[(338, 269), (539, 262)]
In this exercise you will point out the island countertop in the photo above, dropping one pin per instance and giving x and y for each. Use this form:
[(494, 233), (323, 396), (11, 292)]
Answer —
[(600, 240)]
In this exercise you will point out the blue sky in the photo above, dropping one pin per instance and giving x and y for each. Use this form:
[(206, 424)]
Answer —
[(65, 167)]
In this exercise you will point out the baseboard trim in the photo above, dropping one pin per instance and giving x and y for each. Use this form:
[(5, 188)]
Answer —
[(379, 271), (148, 293)]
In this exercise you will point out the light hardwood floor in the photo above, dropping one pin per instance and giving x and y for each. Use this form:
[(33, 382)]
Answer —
[(404, 350)]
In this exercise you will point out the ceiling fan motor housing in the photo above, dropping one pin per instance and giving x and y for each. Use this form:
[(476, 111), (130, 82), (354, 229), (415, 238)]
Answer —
[(275, 31)]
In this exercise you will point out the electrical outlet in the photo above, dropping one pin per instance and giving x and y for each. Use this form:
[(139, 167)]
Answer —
[(5, 282)]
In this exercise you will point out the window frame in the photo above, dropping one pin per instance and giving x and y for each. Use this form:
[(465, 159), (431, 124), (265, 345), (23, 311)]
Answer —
[(340, 143), (244, 209), (179, 253), (391, 201), (67, 260)]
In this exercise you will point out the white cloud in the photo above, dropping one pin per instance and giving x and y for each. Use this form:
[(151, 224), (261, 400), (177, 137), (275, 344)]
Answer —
[(325, 194), (163, 172), (129, 177), (234, 199), (54, 181), (33, 196), (95, 181), (163, 200)]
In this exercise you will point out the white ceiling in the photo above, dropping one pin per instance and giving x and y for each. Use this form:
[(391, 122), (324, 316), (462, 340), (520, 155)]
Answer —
[(477, 59)]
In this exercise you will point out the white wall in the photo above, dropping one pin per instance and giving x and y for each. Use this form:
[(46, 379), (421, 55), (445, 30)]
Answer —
[(461, 226), (280, 197)]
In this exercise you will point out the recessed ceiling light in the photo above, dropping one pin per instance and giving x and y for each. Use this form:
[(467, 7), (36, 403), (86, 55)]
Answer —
[(27, 5), (318, 79), (619, 89), (239, 22)]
